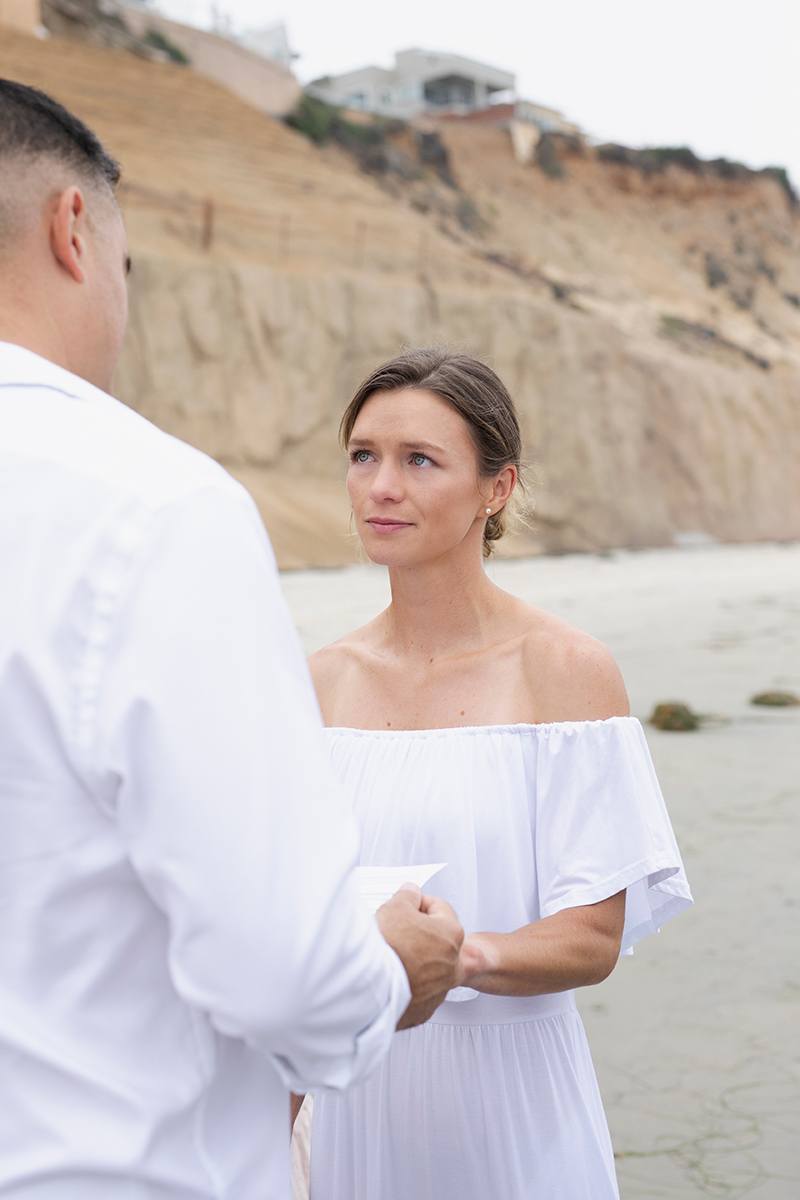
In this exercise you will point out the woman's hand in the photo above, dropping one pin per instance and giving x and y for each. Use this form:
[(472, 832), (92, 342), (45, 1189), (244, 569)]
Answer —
[(480, 956)]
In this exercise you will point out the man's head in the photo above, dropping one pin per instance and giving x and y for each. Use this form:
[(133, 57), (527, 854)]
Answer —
[(63, 250)]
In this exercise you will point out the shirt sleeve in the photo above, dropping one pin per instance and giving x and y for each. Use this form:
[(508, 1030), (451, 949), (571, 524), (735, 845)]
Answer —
[(221, 787)]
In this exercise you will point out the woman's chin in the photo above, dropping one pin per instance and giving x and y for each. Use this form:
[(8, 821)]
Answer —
[(386, 552), (386, 556)]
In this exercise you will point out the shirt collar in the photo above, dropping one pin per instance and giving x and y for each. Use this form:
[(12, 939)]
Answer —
[(21, 367)]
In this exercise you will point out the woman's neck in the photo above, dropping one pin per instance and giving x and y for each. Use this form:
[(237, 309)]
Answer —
[(440, 609)]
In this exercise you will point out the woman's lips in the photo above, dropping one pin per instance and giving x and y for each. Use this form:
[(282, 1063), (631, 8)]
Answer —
[(387, 525)]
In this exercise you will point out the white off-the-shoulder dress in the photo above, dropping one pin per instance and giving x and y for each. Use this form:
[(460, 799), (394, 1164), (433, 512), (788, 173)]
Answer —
[(497, 1096)]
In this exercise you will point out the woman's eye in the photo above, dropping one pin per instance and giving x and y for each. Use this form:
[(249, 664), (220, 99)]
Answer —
[(419, 460), (360, 456)]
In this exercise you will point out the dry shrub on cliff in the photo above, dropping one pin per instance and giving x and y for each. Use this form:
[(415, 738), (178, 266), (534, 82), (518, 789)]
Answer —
[(652, 160), (373, 141), (692, 336)]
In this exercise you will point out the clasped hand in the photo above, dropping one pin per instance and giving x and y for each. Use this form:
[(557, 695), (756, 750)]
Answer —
[(427, 936)]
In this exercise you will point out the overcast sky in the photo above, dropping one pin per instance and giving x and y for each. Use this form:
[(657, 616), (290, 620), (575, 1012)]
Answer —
[(722, 76)]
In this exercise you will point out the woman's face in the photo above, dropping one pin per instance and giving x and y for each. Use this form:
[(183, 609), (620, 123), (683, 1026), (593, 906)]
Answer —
[(413, 478)]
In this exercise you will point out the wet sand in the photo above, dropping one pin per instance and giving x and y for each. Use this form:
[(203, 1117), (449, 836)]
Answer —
[(695, 1038)]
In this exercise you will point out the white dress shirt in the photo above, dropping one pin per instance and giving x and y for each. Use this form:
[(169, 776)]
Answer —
[(180, 938)]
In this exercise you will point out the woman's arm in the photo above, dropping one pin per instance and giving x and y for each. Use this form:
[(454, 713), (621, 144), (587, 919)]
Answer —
[(575, 948), (572, 677)]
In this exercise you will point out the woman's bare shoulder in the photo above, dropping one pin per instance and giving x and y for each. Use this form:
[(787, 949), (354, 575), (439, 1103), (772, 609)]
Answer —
[(571, 675), (332, 664)]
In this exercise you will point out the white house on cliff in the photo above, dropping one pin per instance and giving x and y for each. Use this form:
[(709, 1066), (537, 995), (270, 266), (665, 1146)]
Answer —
[(421, 81)]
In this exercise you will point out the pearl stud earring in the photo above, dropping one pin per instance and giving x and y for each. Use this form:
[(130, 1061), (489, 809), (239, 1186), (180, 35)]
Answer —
[(488, 512)]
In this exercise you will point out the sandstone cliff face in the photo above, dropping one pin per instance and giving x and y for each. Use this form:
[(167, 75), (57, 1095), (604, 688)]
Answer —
[(628, 443), (649, 327)]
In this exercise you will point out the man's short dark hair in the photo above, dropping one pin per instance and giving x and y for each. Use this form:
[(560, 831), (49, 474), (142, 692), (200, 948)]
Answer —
[(33, 125)]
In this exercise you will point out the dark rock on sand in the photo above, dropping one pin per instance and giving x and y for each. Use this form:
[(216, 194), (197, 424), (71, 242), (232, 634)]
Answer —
[(674, 716)]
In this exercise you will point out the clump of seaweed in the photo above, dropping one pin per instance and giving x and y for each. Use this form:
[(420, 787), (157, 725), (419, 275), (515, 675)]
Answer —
[(675, 717), (776, 699)]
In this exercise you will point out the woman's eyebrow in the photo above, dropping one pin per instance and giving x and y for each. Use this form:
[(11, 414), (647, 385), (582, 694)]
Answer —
[(423, 446), (368, 444)]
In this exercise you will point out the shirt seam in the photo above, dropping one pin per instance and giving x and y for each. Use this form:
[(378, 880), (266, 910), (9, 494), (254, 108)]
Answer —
[(42, 386), (200, 1112), (108, 587)]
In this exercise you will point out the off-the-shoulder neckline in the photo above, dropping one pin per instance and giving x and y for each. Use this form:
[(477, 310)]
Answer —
[(540, 727)]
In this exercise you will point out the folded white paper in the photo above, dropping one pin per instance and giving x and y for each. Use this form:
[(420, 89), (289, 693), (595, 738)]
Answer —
[(379, 884)]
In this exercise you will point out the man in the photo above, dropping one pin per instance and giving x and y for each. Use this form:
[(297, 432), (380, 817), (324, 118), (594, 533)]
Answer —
[(181, 940)]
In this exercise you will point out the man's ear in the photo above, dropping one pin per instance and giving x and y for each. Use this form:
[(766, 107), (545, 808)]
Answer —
[(67, 226)]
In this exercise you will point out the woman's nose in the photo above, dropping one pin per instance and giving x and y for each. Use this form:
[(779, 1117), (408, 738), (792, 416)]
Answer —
[(387, 482)]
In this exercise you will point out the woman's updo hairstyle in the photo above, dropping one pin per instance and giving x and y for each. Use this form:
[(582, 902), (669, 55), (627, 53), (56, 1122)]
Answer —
[(473, 390)]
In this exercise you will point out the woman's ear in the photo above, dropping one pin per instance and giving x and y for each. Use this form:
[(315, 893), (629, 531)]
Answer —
[(67, 226), (504, 485)]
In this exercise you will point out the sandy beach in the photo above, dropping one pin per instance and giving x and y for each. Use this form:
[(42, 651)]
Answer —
[(695, 1037)]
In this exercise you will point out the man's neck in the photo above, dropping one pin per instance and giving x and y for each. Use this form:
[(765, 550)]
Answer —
[(48, 344), (19, 331)]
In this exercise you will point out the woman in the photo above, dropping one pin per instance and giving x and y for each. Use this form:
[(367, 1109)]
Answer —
[(476, 730)]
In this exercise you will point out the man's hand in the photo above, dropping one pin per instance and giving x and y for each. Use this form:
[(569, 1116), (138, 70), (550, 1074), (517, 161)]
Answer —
[(427, 936)]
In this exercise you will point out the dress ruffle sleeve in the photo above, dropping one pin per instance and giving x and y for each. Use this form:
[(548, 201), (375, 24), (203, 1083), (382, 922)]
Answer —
[(601, 826)]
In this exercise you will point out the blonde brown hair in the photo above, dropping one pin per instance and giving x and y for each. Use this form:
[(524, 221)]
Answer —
[(473, 390)]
